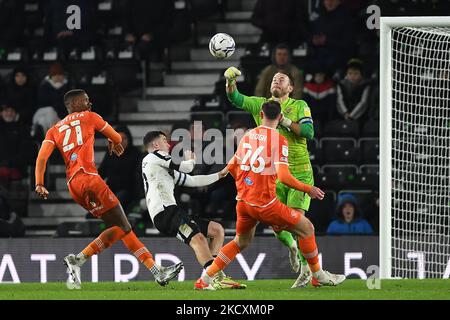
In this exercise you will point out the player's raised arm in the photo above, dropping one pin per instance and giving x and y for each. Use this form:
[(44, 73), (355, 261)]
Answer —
[(250, 104), (41, 162)]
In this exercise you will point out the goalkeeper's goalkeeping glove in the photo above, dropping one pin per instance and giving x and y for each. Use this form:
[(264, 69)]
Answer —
[(285, 122), (231, 74)]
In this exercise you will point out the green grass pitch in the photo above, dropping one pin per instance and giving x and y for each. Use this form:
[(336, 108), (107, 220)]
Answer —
[(433, 289)]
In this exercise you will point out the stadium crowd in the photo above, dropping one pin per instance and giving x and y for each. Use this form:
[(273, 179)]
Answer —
[(338, 78)]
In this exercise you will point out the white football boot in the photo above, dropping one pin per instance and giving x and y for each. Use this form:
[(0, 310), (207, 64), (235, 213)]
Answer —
[(74, 271)]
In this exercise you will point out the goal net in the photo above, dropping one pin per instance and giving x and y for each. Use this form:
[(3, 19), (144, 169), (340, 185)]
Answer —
[(415, 160)]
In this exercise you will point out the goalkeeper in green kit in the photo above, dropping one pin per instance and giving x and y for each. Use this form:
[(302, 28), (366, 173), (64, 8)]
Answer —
[(297, 126)]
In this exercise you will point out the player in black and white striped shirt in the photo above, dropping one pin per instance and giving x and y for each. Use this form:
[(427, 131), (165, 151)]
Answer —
[(161, 175)]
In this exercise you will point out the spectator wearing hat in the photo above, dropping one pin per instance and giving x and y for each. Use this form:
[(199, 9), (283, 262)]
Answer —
[(353, 92), (52, 89), (281, 62), (320, 94), (21, 94), (349, 219), (16, 145)]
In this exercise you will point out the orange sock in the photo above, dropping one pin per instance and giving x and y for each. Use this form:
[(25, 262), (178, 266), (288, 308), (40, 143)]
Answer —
[(225, 256), (104, 240), (308, 247), (138, 249)]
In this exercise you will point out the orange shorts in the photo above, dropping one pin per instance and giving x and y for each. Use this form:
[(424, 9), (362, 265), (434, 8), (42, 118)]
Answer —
[(277, 215), (92, 193)]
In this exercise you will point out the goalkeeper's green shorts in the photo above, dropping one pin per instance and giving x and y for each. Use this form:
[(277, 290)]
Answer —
[(294, 198)]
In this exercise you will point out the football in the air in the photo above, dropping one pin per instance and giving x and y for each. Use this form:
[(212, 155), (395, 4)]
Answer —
[(222, 46)]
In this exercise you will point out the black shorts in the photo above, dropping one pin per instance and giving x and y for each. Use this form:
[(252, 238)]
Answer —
[(175, 222)]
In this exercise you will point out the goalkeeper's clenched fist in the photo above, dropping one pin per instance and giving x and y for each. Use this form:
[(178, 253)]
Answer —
[(231, 74)]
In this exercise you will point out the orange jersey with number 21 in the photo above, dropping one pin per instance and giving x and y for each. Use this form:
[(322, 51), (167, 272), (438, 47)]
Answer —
[(74, 138)]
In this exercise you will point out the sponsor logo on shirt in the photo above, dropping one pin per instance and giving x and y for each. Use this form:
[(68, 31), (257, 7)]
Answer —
[(73, 157), (248, 181), (285, 151)]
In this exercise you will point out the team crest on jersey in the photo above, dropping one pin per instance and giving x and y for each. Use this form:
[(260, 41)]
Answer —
[(307, 112), (285, 151), (287, 110), (73, 157), (248, 181)]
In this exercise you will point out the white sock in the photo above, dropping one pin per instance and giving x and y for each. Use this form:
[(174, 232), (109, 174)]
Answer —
[(206, 278), (81, 258), (318, 273)]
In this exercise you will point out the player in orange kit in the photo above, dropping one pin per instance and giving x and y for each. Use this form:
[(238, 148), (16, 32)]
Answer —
[(74, 138), (261, 158)]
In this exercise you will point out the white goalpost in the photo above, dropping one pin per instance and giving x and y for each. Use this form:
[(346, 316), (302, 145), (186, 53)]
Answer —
[(415, 147)]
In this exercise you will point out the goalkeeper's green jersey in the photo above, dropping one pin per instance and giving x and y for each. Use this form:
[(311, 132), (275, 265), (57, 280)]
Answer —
[(297, 111)]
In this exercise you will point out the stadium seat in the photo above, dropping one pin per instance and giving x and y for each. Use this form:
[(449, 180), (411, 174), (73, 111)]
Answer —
[(371, 129), (125, 74), (340, 150), (315, 153), (89, 228), (370, 149), (240, 117), (316, 170), (209, 119), (342, 128), (340, 176), (369, 169), (317, 129), (321, 212)]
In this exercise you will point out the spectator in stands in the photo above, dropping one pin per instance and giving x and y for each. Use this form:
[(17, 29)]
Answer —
[(11, 24), (2, 91), (281, 62), (21, 94), (374, 98), (10, 223), (349, 221), (52, 89), (222, 201), (373, 212), (56, 24), (320, 94), (148, 25), (353, 92), (123, 174), (17, 148), (332, 36), (283, 21)]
